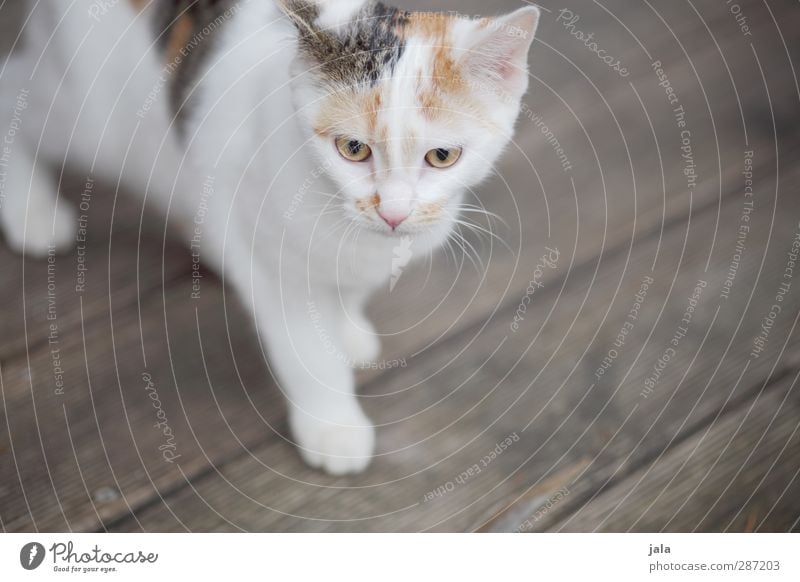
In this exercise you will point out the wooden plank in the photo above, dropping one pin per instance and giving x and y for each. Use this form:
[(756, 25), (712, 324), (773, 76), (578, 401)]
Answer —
[(217, 443), (738, 474), (95, 450), (117, 265), (448, 412)]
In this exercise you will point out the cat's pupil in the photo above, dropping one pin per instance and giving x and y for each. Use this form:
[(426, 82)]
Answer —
[(442, 154), (354, 146)]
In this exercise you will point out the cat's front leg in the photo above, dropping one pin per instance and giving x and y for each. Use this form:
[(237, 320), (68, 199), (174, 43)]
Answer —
[(304, 339), (360, 342)]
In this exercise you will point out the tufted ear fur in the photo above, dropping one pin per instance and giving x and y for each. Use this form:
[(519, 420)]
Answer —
[(498, 52), (347, 42), (302, 13)]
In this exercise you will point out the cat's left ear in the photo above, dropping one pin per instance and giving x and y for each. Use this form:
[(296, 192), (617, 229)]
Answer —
[(498, 53), (302, 13)]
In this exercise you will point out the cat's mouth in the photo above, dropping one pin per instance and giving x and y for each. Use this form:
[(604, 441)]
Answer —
[(398, 220)]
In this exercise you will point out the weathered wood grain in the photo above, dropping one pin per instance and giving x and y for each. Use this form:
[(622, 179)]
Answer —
[(90, 457), (740, 473), (99, 437), (120, 263)]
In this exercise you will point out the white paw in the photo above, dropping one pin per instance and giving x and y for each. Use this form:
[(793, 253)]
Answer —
[(360, 341), (341, 447), (43, 230)]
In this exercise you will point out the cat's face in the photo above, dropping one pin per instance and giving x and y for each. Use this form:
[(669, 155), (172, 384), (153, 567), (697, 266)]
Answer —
[(407, 111)]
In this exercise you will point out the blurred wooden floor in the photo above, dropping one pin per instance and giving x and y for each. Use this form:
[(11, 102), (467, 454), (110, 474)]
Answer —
[(683, 430)]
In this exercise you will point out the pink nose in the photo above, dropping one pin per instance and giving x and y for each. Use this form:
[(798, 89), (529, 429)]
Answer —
[(393, 217)]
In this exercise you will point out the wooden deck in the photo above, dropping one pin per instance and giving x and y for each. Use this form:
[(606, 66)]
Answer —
[(622, 407)]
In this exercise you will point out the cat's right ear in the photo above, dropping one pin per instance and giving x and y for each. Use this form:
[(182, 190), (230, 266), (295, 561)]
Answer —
[(302, 13), (498, 53)]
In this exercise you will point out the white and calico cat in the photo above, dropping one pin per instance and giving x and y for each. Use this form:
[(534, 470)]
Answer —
[(314, 134)]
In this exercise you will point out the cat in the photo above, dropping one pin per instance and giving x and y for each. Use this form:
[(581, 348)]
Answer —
[(296, 144)]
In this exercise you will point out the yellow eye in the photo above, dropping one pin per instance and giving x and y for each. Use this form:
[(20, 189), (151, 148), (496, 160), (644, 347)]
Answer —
[(353, 150), (443, 157)]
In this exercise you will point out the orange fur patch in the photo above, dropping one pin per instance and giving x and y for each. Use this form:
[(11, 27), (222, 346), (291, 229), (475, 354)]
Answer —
[(345, 111), (373, 107), (367, 204), (445, 97), (138, 5), (446, 78), (432, 25), (435, 29), (428, 212), (446, 73), (178, 37)]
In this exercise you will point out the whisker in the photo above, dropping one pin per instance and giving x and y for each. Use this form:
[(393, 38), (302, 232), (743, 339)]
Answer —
[(451, 241), (450, 250), (469, 250), (480, 230), (346, 221), (429, 260), (486, 213)]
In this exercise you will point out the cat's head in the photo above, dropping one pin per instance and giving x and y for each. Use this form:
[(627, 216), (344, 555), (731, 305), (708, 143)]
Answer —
[(407, 110)]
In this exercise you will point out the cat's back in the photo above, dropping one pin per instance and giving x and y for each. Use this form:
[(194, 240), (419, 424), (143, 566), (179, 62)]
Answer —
[(103, 51)]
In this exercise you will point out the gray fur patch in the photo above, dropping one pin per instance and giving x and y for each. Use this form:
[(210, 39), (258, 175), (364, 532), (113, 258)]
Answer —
[(184, 69), (360, 51)]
